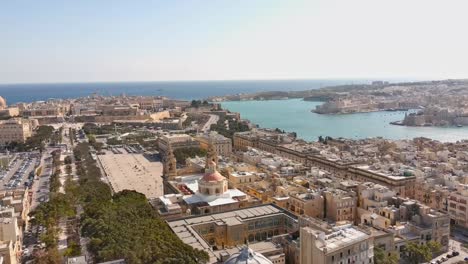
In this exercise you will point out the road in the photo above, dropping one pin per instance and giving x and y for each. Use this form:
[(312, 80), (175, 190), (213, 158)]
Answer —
[(213, 120), (453, 246), (40, 187)]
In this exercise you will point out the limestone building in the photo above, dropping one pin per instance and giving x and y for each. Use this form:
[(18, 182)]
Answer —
[(177, 141), (340, 205), (15, 130), (220, 234), (222, 145), (310, 204)]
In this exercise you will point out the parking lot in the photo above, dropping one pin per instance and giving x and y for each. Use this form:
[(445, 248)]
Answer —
[(20, 171)]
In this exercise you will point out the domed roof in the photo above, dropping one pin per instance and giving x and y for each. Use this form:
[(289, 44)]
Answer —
[(247, 255), (213, 176), (3, 103)]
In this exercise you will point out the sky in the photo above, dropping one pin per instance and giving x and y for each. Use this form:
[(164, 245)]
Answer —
[(113, 40)]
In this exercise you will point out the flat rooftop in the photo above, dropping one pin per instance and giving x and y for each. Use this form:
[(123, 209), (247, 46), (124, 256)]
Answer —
[(385, 174), (343, 237), (133, 172)]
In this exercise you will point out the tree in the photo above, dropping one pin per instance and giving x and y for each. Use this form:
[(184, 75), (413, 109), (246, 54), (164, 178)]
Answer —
[(381, 257), (196, 103), (227, 127), (182, 154), (416, 253)]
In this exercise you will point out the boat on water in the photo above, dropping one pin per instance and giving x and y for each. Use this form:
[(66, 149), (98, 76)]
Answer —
[(459, 125)]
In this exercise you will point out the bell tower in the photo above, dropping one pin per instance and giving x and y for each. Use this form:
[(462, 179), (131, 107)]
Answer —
[(211, 158), (169, 163)]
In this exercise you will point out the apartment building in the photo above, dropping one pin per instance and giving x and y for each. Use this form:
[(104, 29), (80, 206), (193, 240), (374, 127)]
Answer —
[(241, 178), (457, 205), (309, 204), (340, 205), (371, 195), (411, 221), (346, 244)]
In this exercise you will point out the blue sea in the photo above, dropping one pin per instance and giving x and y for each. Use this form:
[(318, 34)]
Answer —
[(188, 90)]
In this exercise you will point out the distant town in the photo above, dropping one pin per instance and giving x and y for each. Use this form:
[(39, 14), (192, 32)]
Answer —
[(150, 179)]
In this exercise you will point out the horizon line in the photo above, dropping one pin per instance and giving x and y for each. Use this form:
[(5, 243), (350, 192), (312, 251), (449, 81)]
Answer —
[(398, 79)]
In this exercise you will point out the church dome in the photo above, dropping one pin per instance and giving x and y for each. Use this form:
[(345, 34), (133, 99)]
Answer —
[(247, 255), (3, 103), (211, 174)]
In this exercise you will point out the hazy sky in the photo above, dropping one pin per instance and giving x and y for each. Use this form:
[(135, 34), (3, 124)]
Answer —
[(98, 40)]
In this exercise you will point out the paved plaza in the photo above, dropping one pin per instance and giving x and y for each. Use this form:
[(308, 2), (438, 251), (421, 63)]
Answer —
[(133, 172)]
